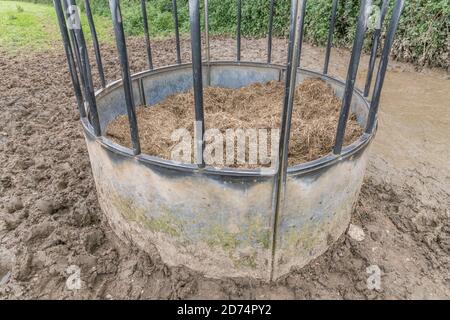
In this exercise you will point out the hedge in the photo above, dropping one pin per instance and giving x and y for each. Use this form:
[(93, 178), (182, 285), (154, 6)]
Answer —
[(422, 37)]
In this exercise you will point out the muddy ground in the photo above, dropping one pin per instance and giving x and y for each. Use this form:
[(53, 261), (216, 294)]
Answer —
[(50, 218)]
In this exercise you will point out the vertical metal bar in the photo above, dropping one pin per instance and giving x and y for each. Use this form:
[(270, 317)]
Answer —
[(373, 55), (85, 68), (269, 36), (194, 18), (207, 48), (375, 43), (76, 54), (374, 103), (351, 75), (98, 57), (147, 34), (82, 47), (238, 31), (143, 101), (72, 15), (330, 36), (76, 51), (177, 31), (300, 30), (74, 42), (294, 53), (70, 58), (126, 78)]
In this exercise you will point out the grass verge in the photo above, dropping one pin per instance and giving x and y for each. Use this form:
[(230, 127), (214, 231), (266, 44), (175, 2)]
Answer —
[(34, 27)]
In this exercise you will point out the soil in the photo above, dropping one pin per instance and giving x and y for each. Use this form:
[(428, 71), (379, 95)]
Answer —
[(50, 218), (258, 106)]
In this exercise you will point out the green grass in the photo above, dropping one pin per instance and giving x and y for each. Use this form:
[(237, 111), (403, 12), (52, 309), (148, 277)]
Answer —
[(34, 27)]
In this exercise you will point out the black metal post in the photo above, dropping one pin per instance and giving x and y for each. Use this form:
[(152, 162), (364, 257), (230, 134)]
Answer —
[(207, 48), (82, 47), (238, 31), (351, 75), (294, 53), (375, 43), (76, 51), (177, 31), (374, 103), (126, 78), (147, 34), (85, 68), (269, 36), (70, 58), (194, 18), (300, 31), (98, 57), (330, 36)]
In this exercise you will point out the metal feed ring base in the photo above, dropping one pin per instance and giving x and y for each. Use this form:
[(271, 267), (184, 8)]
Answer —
[(220, 222)]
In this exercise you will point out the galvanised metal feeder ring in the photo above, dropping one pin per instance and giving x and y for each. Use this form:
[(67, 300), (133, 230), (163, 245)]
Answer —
[(224, 222), (220, 222)]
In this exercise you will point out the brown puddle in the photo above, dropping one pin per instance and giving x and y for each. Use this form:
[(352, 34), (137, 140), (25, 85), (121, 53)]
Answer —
[(414, 123), (414, 112)]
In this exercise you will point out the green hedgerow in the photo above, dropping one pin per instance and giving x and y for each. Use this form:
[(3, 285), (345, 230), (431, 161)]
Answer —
[(422, 37)]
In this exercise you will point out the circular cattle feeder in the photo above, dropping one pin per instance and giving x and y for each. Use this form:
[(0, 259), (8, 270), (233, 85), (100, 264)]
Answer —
[(227, 222)]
